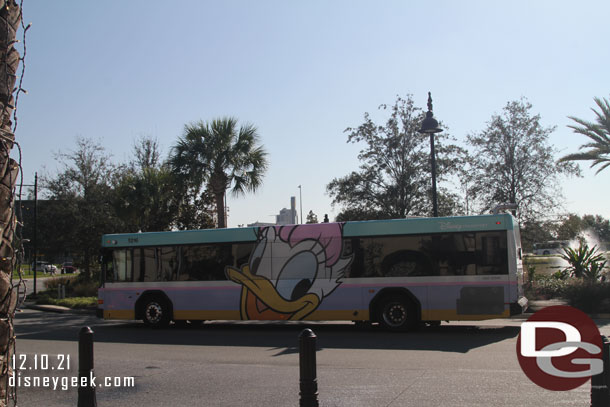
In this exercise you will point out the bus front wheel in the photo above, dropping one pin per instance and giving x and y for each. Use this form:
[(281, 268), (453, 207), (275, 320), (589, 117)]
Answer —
[(397, 313), (156, 313)]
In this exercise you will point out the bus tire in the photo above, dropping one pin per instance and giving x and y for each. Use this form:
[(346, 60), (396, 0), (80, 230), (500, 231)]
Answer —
[(156, 312), (397, 313)]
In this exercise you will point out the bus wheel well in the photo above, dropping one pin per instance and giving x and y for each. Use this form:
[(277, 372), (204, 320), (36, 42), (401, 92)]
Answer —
[(386, 293), (149, 295)]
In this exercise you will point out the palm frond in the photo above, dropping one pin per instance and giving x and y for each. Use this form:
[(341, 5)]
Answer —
[(598, 133)]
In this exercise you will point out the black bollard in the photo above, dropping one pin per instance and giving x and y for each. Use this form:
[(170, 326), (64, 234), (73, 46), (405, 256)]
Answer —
[(307, 364), (600, 383), (86, 385)]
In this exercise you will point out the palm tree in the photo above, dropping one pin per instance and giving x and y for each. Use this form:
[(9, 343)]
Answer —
[(10, 19), (599, 133), (219, 156)]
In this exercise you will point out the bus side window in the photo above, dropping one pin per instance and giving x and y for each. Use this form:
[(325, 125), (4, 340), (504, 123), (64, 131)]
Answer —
[(122, 265), (108, 267), (352, 247), (492, 253)]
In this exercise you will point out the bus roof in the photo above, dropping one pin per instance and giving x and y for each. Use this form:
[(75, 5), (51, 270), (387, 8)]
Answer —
[(350, 229)]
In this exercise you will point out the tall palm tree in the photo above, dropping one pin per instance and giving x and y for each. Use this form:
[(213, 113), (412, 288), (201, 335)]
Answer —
[(10, 19), (599, 133), (219, 156)]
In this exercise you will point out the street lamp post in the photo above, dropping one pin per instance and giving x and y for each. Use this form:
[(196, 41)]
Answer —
[(34, 249), (430, 126), (301, 202)]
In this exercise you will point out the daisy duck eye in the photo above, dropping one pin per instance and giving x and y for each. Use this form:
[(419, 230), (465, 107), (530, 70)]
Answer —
[(257, 256), (297, 276)]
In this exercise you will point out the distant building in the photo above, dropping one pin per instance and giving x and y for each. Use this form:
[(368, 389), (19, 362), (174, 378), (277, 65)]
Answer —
[(285, 217), (260, 224)]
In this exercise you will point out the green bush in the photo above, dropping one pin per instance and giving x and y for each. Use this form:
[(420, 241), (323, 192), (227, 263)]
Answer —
[(84, 289), (587, 296), (75, 302), (591, 298), (52, 283), (545, 287)]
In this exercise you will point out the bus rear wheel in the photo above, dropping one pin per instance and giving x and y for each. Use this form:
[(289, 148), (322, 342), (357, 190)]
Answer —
[(156, 313), (397, 313)]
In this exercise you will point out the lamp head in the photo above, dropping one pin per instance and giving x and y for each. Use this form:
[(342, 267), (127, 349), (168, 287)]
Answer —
[(429, 125)]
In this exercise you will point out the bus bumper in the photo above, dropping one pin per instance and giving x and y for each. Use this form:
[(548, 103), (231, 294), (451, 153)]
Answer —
[(519, 307)]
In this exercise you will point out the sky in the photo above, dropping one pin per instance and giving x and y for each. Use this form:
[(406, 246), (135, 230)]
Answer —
[(302, 72)]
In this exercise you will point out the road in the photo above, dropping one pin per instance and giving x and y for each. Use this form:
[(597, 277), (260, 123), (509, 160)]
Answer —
[(253, 364)]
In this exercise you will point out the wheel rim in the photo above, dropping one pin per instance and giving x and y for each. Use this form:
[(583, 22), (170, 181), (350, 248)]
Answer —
[(154, 312), (395, 314)]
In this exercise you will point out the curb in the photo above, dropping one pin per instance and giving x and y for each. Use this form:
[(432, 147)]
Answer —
[(58, 309), (48, 308)]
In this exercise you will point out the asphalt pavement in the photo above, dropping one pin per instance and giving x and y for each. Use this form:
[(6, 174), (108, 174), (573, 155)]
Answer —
[(226, 363)]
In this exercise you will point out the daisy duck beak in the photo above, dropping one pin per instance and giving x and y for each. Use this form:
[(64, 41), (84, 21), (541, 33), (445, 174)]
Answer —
[(261, 301)]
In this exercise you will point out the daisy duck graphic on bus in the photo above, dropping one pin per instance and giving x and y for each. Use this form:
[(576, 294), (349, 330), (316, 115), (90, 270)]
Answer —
[(290, 271)]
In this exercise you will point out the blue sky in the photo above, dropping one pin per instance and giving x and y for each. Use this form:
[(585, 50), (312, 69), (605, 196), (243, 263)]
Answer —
[(302, 72)]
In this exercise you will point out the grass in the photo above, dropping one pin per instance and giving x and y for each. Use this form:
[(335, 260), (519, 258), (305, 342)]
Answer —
[(73, 302), (80, 292)]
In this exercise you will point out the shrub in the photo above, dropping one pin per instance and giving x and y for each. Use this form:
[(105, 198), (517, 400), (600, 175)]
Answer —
[(77, 302), (584, 262), (84, 289), (587, 296), (590, 298), (545, 287), (52, 283)]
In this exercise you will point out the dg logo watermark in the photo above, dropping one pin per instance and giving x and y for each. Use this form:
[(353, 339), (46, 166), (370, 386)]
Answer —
[(560, 348)]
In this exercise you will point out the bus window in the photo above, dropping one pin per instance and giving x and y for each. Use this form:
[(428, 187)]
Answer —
[(491, 253), (145, 264), (205, 262), (122, 265)]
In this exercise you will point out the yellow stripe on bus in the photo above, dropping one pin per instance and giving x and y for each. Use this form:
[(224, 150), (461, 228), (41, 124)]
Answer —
[(452, 315), (339, 315), (119, 314), (320, 315)]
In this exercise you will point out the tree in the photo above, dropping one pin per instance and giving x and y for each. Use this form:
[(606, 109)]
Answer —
[(10, 18), (599, 133), (513, 162), (312, 217), (394, 178), (573, 226), (146, 200), (219, 156), (146, 195), (534, 231), (149, 196), (84, 189), (146, 154)]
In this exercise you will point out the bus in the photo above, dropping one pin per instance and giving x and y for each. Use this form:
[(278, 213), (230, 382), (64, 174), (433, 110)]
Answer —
[(550, 247), (396, 273)]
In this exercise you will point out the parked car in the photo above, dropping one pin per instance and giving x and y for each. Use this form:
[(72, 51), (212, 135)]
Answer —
[(39, 266), (50, 268), (67, 268)]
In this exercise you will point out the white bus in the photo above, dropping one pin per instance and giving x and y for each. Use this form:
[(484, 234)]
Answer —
[(550, 247), (398, 273)]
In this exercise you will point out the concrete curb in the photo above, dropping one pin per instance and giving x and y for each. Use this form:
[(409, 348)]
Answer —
[(58, 309)]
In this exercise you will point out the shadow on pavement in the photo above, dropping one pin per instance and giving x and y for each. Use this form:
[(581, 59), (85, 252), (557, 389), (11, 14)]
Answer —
[(446, 338)]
